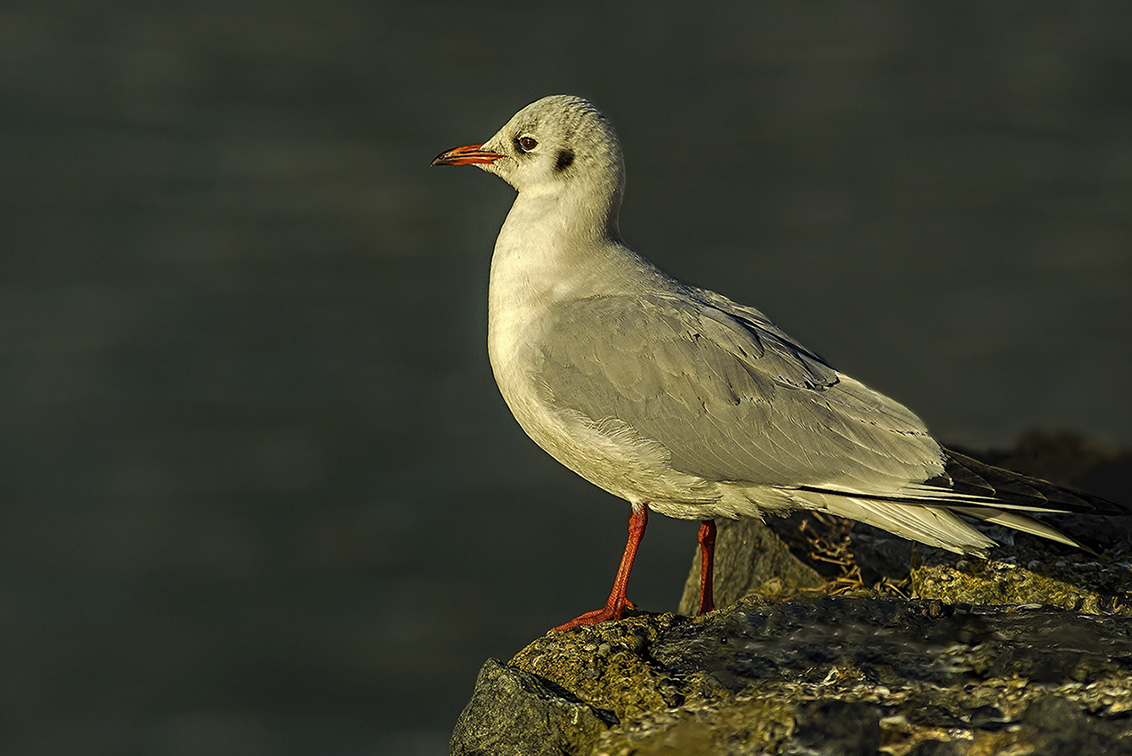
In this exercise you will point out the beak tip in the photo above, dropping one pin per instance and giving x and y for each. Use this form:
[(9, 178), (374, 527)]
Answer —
[(443, 158)]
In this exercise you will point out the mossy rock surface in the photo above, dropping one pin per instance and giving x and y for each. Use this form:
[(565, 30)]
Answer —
[(824, 675)]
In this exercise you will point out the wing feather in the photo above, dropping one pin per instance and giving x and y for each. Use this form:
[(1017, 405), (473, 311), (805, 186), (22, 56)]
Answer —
[(727, 396)]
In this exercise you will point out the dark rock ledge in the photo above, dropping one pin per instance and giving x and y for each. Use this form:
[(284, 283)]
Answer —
[(843, 640)]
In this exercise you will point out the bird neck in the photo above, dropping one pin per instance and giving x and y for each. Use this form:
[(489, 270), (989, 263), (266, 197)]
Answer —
[(552, 249), (553, 243), (574, 210)]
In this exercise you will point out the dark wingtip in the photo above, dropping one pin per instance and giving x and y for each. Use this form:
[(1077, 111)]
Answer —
[(971, 476)]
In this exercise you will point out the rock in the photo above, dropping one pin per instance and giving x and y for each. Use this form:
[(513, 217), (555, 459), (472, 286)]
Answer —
[(827, 675), (515, 713), (824, 676), (846, 640), (1076, 584)]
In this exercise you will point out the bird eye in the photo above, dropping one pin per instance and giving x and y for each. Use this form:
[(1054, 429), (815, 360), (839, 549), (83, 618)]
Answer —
[(526, 143)]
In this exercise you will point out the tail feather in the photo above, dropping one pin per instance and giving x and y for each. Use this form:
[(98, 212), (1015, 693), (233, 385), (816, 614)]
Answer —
[(927, 511), (1021, 523), (935, 526)]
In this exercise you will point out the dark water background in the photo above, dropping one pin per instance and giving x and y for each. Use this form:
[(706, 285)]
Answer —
[(259, 494)]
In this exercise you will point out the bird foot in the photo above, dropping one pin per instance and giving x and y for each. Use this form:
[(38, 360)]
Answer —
[(614, 610)]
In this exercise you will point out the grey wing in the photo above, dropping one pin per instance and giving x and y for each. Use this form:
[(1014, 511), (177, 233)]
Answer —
[(816, 373), (727, 398)]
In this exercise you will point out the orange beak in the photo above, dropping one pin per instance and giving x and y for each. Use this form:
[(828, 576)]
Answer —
[(466, 156)]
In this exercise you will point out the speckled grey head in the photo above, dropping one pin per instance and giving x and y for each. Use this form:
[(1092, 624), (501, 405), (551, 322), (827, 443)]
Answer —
[(557, 142), (559, 149)]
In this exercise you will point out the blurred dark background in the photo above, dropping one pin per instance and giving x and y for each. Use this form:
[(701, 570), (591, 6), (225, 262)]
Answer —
[(259, 493)]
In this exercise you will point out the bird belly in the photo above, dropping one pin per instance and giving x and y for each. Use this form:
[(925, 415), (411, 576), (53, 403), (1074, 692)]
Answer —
[(606, 451)]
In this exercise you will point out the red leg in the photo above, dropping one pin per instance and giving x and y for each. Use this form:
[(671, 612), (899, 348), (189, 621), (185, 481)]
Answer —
[(617, 603), (707, 562)]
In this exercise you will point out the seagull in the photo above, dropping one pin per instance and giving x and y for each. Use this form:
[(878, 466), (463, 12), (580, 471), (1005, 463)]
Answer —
[(683, 402)]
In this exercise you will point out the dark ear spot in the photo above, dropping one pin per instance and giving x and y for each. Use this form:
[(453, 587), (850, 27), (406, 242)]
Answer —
[(564, 161)]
